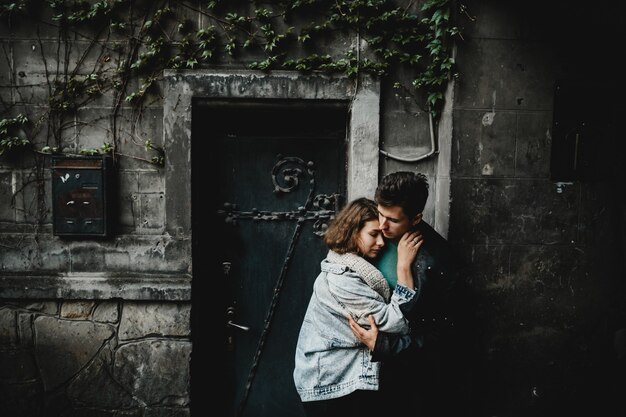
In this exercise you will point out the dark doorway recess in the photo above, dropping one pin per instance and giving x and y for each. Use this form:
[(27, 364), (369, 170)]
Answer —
[(267, 175)]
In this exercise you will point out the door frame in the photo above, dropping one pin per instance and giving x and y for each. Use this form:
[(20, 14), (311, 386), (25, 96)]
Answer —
[(182, 86)]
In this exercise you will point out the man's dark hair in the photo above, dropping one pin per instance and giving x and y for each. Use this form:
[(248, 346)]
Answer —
[(408, 190)]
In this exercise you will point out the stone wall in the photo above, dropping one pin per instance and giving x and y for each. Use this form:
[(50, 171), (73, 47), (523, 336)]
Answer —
[(88, 326), (94, 358)]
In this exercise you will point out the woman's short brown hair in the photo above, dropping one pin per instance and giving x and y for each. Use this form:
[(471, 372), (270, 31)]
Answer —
[(342, 233)]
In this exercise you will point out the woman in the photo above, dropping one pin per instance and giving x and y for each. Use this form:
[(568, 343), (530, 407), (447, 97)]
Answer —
[(333, 370)]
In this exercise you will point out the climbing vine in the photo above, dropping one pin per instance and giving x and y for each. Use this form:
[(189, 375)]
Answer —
[(110, 54)]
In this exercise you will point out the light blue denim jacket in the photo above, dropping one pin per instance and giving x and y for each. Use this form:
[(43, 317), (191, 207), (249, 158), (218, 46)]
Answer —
[(330, 361)]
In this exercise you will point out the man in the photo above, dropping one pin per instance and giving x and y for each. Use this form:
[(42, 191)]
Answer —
[(432, 359)]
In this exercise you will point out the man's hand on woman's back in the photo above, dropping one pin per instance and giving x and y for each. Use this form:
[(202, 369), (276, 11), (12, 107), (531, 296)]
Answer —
[(366, 336)]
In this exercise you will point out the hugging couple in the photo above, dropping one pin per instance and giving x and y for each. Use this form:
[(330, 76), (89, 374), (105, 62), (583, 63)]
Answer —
[(382, 309)]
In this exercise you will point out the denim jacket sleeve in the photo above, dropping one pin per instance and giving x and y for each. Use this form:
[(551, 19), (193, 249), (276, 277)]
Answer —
[(360, 300)]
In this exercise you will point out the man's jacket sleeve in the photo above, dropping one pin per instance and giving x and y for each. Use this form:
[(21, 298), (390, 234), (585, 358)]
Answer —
[(389, 345)]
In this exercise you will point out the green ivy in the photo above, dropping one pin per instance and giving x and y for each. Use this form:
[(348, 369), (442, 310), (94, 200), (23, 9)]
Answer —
[(135, 40), (10, 139)]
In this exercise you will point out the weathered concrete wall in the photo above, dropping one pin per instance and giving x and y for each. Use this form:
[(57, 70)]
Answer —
[(547, 258), (88, 327)]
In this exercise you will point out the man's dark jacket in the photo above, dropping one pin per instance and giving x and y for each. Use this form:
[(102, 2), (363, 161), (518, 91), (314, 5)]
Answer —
[(428, 376)]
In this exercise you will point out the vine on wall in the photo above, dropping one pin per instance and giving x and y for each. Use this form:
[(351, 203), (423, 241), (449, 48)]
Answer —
[(113, 52)]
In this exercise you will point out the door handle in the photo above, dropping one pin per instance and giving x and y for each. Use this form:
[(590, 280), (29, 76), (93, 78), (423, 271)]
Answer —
[(230, 314), (239, 326)]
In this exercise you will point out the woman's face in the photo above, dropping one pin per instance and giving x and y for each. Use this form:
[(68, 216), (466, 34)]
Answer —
[(370, 240)]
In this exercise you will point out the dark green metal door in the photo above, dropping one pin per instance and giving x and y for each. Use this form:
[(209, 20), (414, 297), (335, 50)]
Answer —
[(277, 175)]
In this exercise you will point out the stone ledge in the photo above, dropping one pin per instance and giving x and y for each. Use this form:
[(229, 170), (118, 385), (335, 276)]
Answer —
[(97, 286)]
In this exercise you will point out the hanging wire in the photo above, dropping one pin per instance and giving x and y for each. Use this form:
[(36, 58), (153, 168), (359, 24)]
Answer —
[(433, 146)]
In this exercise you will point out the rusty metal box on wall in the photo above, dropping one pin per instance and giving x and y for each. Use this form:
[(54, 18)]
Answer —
[(80, 195)]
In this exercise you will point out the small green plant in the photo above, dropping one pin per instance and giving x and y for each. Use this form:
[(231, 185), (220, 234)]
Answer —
[(106, 148), (159, 159), (10, 135)]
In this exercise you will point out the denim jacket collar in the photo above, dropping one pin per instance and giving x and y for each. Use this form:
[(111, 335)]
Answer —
[(372, 276)]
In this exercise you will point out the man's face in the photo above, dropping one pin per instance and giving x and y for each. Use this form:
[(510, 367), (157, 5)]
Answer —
[(394, 223)]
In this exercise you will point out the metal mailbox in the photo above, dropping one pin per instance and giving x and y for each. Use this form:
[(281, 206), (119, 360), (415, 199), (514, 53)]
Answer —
[(80, 185)]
